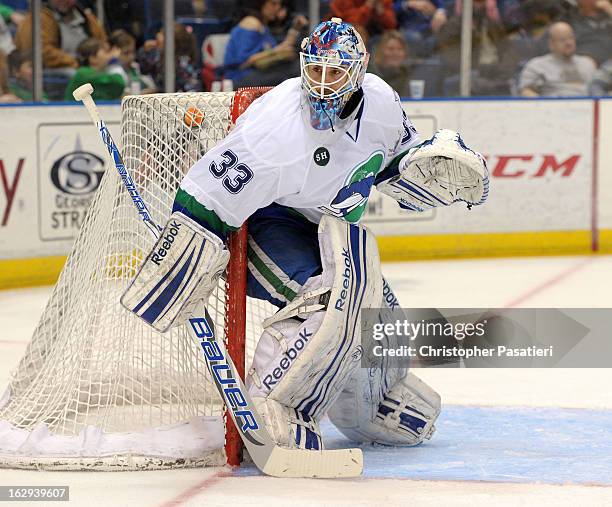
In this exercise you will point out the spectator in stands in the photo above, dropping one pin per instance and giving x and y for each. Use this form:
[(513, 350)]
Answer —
[(7, 16), (369, 17), (100, 67), (490, 74), (222, 9), (592, 24), (6, 97), (131, 16), (419, 20), (284, 20), (530, 38), (135, 82), (253, 57), (10, 15), (6, 38), (510, 12), (64, 26), (561, 72), (390, 62), (20, 80), (602, 80), (199, 8), (151, 60)]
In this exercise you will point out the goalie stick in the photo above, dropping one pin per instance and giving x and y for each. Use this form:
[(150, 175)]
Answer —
[(269, 457)]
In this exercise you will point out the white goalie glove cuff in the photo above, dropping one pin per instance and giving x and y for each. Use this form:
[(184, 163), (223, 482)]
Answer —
[(439, 172), (182, 268)]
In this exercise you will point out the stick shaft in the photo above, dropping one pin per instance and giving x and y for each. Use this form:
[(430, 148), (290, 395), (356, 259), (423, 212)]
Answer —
[(113, 151)]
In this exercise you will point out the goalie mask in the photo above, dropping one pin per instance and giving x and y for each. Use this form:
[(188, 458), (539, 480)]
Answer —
[(333, 63)]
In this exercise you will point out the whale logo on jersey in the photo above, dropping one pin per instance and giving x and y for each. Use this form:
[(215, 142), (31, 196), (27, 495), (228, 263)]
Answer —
[(351, 200), (352, 197)]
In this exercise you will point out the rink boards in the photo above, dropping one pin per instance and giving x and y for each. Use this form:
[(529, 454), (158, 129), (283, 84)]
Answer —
[(551, 183), (545, 198)]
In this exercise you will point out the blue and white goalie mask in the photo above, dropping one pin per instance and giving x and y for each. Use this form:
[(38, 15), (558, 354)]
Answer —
[(333, 63)]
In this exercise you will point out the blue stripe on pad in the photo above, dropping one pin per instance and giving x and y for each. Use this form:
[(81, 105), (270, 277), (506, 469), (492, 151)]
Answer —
[(186, 284), (163, 280), (164, 298), (312, 441), (357, 286), (414, 423)]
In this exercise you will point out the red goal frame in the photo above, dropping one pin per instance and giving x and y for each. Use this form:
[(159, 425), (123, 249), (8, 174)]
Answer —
[(235, 292)]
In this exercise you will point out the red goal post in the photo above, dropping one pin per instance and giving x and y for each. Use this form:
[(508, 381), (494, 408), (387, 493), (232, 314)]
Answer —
[(235, 324)]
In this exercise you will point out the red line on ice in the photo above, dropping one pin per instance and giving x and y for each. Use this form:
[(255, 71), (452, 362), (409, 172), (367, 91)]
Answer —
[(548, 283), (196, 489)]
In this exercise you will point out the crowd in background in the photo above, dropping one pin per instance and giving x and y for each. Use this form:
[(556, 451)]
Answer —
[(519, 47)]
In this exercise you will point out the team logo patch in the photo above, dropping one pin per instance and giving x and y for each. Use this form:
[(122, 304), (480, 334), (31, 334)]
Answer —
[(351, 200), (321, 156)]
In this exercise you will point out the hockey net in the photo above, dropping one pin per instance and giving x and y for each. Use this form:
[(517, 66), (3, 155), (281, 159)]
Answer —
[(96, 387)]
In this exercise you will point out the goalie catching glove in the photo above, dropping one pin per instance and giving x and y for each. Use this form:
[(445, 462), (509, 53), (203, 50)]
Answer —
[(182, 268), (439, 172)]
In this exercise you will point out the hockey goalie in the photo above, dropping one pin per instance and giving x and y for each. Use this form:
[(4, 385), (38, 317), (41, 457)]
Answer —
[(300, 165)]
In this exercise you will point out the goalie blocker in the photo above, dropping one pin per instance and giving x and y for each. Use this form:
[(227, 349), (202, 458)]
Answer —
[(182, 268)]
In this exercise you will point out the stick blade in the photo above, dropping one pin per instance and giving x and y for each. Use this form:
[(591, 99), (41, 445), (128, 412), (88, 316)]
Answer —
[(331, 464), (83, 91)]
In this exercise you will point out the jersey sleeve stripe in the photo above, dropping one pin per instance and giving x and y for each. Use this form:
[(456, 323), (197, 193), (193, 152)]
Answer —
[(188, 205)]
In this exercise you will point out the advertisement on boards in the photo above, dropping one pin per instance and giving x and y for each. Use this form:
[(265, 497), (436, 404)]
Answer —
[(540, 159), (71, 169), (51, 163)]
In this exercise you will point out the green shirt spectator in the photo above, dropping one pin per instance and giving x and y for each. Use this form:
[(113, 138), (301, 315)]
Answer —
[(107, 86), (10, 15), (100, 68), (135, 82), (5, 12)]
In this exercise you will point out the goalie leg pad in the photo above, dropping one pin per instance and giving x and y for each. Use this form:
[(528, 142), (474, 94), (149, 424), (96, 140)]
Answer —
[(405, 415), (289, 427), (310, 348), (382, 404), (182, 268), (439, 172)]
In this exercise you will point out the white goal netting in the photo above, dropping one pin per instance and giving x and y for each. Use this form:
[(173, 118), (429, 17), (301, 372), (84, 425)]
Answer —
[(97, 388)]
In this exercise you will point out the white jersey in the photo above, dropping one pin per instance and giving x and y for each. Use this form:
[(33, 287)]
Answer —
[(274, 155)]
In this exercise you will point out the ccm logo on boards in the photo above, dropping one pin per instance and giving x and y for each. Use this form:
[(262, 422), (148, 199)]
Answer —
[(531, 166)]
